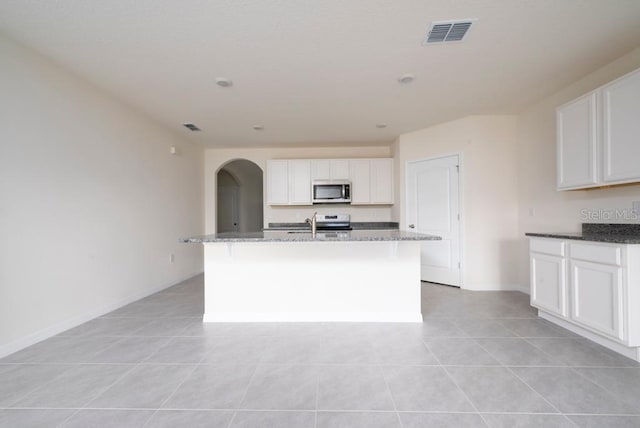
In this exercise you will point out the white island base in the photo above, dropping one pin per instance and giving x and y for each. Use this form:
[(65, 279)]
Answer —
[(376, 281)]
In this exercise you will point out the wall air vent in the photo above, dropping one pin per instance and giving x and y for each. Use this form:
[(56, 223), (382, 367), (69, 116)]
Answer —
[(191, 127), (447, 31)]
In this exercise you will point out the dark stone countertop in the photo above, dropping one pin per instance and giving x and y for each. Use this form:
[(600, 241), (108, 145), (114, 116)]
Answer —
[(599, 232)]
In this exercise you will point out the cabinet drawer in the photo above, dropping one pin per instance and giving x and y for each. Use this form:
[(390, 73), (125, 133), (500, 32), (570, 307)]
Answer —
[(606, 254), (554, 247)]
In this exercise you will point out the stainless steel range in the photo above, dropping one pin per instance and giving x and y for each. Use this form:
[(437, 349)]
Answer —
[(333, 222)]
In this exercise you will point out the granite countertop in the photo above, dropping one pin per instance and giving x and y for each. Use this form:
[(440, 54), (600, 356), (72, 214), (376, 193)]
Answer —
[(599, 232), (305, 236)]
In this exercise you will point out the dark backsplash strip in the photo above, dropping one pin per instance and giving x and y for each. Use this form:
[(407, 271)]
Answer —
[(287, 225), (357, 225), (375, 225), (628, 229)]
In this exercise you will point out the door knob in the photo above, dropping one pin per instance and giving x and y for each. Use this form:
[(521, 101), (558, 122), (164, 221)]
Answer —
[(412, 226)]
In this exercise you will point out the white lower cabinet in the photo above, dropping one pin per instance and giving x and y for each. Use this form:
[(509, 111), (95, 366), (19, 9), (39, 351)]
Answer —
[(590, 288), (596, 297), (549, 283)]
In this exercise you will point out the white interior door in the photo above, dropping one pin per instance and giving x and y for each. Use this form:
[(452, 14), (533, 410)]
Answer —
[(228, 208), (433, 208)]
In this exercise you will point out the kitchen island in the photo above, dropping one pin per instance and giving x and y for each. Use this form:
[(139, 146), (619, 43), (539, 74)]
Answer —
[(272, 276)]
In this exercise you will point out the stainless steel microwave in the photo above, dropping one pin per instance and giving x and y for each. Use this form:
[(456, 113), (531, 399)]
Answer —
[(331, 192)]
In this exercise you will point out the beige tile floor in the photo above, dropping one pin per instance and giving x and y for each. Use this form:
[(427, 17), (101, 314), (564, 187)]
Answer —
[(479, 359)]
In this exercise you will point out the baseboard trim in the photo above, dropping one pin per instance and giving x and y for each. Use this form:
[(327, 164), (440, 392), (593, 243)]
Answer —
[(633, 353), (496, 287), (46, 333), (390, 317)]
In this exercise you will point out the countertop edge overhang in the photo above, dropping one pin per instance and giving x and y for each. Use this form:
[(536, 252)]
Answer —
[(598, 237), (297, 236)]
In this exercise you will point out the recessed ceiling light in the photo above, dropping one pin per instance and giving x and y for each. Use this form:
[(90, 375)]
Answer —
[(381, 125), (224, 82), (258, 127), (406, 78), (191, 127)]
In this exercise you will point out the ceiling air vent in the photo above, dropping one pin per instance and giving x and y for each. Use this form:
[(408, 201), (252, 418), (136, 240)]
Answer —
[(191, 127), (447, 31)]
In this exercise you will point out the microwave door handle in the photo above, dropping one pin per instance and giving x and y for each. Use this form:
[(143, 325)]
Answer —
[(343, 191)]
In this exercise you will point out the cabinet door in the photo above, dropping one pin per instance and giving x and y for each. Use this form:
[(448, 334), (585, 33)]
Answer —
[(549, 283), (300, 182), (321, 169), (621, 128), (381, 181), (340, 169), (277, 182), (577, 143), (596, 297), (360, 176)]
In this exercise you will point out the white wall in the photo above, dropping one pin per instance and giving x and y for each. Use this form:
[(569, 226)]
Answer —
[(215, 158), (92, 202), (489, 192), (555, 211)]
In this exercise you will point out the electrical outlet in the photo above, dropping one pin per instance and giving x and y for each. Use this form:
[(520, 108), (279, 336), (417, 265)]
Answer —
[(172, 258), (636, 207), (532, 212)]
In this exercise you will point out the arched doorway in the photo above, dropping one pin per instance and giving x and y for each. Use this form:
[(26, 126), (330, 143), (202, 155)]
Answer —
[(239, 205)]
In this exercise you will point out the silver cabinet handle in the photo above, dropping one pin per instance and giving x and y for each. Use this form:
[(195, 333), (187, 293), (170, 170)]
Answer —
[(412, 226)]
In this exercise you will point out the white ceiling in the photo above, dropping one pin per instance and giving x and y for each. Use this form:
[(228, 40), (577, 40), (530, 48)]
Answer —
[(322, 72)]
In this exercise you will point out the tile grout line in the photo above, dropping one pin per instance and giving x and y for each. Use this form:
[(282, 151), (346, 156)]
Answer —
[(521, 380), (393, 400), (195, 366), (139, 409), (544, 398), (73, 366), (102, 391), (444, 369), (246, 390), (315, 417), (152, 320), (602, 386), (39, 387)]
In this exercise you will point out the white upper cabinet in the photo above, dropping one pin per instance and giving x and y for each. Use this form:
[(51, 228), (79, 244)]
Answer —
[(621, 129), (330, 169), (321, 169), (300, 182), (340, 169), (577, 143), (289, 182), (381, 181), (278, 182), (360, 176), (597, 136), (371, 181)]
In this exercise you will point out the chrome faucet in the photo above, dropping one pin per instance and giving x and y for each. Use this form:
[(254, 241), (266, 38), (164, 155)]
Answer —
[(313, 222)]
